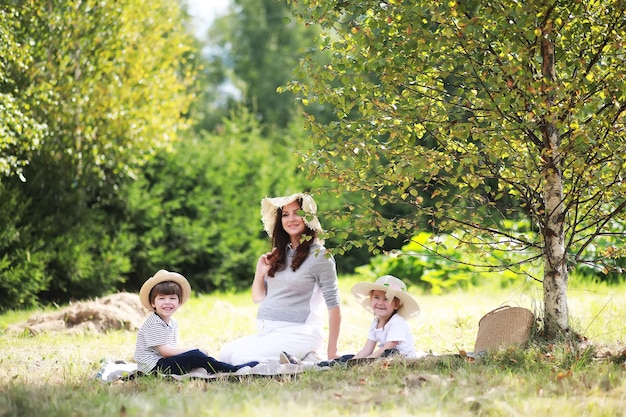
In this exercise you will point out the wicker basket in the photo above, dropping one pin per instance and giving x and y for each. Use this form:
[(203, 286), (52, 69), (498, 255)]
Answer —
[(505, 326)]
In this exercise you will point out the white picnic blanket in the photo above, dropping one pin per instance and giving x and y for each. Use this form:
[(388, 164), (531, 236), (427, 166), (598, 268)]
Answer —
[(118, 370)]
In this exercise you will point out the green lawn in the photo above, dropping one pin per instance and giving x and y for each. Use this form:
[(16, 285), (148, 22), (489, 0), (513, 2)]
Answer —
[(52, 374)]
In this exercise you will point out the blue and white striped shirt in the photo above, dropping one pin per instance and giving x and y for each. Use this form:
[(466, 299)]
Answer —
[(154, 332)]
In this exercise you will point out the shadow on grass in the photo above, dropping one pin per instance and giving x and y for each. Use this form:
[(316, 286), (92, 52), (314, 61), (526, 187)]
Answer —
[(448, 384)]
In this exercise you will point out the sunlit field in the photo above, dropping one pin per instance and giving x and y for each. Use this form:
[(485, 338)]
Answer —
[(53, 374)]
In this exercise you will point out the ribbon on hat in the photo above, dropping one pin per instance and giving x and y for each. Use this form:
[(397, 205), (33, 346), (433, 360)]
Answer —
[(393, 290)]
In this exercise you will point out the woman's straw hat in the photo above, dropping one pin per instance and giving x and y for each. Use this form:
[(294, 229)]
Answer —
[(270, 206), (393, 287)]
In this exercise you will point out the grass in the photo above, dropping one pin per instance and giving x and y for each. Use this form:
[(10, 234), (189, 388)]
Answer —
[(52, 374)]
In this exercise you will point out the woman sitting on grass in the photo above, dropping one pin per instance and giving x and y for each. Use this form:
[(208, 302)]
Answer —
[(292, 284)]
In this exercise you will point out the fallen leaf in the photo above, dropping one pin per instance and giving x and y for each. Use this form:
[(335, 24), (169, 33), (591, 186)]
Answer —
[(562, 375)]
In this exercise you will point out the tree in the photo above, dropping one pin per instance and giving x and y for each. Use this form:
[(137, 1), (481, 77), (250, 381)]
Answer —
[(255, 48), (488, 112), (197, 210), (20, 132), (119, 81), (103, 87)]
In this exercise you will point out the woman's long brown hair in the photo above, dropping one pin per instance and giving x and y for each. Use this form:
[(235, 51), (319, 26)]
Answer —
[(280, 241)]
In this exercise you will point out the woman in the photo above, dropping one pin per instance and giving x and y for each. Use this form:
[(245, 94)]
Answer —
[(291, 284)]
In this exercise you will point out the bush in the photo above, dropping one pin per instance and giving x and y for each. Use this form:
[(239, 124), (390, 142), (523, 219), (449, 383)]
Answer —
[(54, 249), (449, 267), (21, 267), (197, 210)]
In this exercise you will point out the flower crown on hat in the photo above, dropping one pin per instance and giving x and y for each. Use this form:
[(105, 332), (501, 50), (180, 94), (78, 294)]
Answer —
[(270, 206)]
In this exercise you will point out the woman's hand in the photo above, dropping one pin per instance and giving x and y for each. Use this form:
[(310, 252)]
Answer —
[(263, 266), (264, 263)]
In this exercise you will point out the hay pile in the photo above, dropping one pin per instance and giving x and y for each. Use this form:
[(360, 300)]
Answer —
[(121, 311)]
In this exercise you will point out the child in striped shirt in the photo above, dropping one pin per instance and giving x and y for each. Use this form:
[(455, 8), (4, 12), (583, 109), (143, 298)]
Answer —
[(156, 350)]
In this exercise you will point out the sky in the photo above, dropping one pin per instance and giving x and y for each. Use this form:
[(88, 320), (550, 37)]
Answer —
[(203, 13)]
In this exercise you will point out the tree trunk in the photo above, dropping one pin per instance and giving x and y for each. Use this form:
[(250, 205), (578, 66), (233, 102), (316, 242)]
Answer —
[(555, 276)]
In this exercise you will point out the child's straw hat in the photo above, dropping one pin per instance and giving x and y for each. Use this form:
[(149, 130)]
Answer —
[(393, 287), (162, 276)]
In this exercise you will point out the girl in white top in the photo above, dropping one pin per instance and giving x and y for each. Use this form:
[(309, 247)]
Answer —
[(389, 332)]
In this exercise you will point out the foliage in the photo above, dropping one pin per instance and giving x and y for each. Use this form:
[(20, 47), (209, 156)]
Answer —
[(21, 268), (57, 252), (448, 269), (471, 114), (254, 49), (608, 263), (108, 85), (197, 210), (20, 132)]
